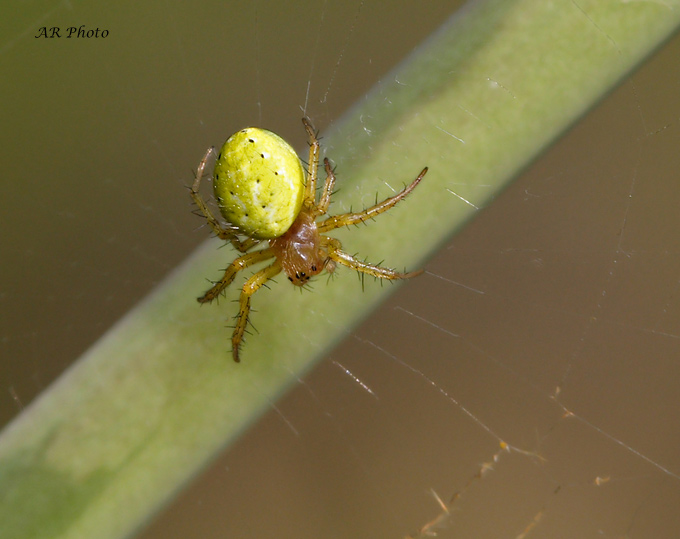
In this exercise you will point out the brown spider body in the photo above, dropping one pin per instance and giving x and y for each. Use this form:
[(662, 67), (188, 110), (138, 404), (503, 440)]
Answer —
[(303, 250), (300, 251)]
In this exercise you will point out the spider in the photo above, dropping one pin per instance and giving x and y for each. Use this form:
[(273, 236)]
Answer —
[(263, 193)]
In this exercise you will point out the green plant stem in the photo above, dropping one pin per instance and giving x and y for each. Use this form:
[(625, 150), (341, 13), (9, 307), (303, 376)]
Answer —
[(141, 412)]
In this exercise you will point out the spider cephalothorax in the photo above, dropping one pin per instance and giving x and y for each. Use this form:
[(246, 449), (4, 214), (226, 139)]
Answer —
[(301, 249), (263, 193)]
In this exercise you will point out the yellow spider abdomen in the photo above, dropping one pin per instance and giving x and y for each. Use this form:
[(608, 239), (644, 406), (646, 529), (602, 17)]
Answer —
[(259, 183)]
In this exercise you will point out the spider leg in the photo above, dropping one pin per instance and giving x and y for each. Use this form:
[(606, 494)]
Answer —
[(252, 285), (230, 273), (337, 255), (325, 199), (246, 245), (222, 233), (312, 165), (228, 233), (347, 219)]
